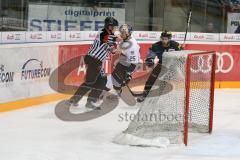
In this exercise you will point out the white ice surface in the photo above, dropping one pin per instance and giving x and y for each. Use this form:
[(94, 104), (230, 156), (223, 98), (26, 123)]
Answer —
[(36, 134)]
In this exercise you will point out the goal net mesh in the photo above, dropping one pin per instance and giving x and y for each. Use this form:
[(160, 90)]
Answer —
[(164, 118)]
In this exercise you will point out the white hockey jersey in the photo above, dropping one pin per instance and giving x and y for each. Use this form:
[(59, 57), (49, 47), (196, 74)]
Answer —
[(131, 50)]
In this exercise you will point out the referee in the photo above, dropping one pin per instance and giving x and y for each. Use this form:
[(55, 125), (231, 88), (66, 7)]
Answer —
[(96, 79)]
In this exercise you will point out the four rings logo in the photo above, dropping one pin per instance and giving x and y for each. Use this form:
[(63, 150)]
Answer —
[(204, 64)]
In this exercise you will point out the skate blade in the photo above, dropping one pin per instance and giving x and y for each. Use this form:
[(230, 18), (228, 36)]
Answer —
[(77, 110)]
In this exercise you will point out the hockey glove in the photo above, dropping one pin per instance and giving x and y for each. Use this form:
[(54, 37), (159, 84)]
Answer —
[(128, 78), (149, 62)]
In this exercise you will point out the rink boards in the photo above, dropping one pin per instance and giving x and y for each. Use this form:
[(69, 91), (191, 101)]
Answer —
[(25, 69)]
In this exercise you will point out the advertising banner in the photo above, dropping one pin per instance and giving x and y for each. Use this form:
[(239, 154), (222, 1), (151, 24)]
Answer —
[(229, 37), (146, 36), (228, 60), (13, 37), (70, 36), (24, 72), (233, 22), (204, 37), (55, 36), (34, 37), (70, 18), (74, 36), (227, 67)]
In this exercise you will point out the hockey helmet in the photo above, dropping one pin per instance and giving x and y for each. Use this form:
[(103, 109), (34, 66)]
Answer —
[(110, 21), (126, 29), (166, 34)]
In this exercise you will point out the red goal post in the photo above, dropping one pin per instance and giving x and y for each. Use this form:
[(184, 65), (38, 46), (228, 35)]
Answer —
[(188, 87)]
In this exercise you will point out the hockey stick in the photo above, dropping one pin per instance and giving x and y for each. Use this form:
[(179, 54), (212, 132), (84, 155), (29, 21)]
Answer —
[(188, 22), (125, 84), (134, 94)]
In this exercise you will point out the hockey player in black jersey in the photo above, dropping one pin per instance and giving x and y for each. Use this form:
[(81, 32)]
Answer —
[(157, 50), (96, 79)]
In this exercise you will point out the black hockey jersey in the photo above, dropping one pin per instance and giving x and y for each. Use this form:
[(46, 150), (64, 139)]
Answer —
[(158, 49)]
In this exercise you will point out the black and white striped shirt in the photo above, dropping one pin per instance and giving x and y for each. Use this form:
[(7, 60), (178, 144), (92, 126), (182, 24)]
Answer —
[(102, 45)]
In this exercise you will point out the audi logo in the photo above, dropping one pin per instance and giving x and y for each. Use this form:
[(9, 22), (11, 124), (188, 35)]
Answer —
[(204, 64)]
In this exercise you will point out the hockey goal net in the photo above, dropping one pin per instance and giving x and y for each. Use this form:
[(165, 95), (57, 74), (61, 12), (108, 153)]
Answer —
[(168, 117)]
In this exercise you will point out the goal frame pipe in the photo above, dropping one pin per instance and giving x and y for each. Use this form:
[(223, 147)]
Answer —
[(187, 93), (211, 106)]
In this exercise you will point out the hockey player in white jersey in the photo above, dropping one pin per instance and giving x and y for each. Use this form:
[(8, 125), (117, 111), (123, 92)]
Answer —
[(128, 61)]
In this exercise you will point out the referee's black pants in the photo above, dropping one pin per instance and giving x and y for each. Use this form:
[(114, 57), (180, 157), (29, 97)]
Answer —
[(95, 81)]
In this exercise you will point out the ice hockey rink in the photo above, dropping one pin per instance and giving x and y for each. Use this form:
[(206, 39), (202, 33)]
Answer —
[(35, 133)]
